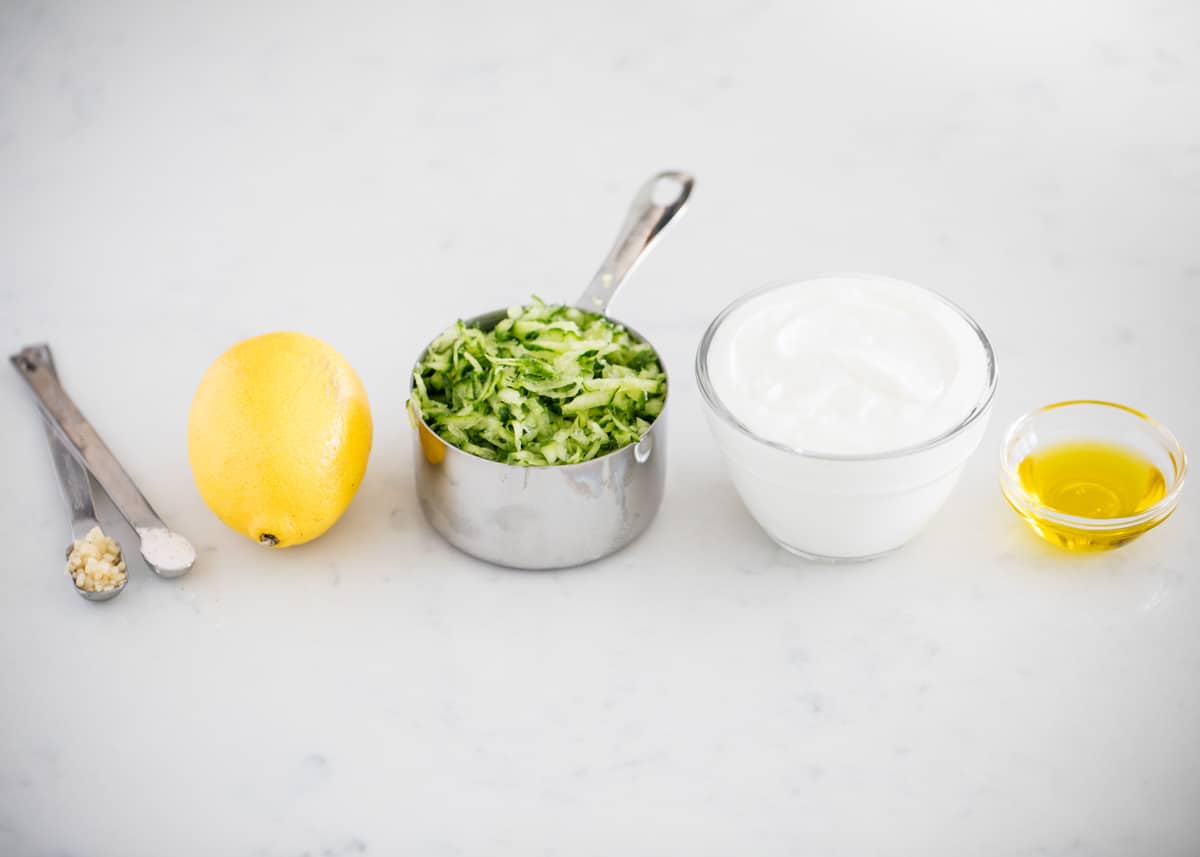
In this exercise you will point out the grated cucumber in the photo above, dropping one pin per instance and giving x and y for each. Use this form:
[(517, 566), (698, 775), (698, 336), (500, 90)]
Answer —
[(549, 384)]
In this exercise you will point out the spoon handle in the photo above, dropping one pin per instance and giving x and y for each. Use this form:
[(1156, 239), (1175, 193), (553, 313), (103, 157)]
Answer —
[(72, 476), (656, 204), (35, 365)]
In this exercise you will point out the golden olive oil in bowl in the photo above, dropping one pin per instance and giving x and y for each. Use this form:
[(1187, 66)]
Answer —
[(1089, 475)]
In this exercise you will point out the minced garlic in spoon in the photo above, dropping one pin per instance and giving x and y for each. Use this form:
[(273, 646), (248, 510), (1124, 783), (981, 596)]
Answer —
[(95, 563)]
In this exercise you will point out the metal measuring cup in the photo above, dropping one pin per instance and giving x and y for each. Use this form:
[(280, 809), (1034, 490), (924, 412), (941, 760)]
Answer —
[(556, 516)]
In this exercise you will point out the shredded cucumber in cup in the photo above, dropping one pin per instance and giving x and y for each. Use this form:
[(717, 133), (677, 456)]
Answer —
[(548, 385)]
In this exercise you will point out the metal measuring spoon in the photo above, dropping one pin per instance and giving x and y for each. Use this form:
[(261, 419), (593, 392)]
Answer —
[(77, 491), (167, 553)]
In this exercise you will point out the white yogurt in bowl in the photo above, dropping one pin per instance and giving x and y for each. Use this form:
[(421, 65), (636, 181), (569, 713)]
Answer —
[(845, 407)]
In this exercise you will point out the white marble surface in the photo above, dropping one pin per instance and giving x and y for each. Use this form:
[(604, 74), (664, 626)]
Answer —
[(175, 176)]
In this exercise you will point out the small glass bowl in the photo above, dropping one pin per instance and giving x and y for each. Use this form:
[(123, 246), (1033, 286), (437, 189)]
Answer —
[(1094, 422)]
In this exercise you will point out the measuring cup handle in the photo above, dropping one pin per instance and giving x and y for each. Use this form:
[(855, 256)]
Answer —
[(656, 204)]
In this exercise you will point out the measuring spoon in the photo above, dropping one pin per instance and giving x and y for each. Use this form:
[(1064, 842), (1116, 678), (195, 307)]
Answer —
[(76, 490), (167, 553)]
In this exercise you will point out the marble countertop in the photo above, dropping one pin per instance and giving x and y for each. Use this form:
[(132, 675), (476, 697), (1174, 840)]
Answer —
[(176, 176)]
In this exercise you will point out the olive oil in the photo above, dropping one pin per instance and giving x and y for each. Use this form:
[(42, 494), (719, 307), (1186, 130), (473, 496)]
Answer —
[(1092, 480)]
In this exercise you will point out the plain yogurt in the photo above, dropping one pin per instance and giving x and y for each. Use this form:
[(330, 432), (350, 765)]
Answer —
[(845, 408), (847, 365)]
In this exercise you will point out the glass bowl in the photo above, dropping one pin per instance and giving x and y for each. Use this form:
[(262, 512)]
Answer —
[(1090, 422), (842, 508)]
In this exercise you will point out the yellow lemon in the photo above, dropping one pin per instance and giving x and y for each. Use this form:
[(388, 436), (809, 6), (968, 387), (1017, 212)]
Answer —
[(278, 437)]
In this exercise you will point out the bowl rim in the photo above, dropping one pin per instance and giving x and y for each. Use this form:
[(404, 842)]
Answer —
[(716, 406), (414, 410), (1016, 494)]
